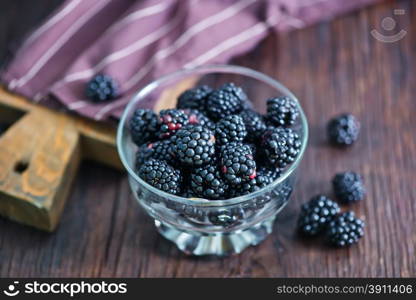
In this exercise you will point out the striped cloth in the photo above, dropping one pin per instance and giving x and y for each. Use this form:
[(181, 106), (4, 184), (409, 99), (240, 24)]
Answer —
[(137, 41)]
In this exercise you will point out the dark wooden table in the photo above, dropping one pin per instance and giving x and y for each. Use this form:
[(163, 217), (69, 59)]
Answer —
[(333, 67)]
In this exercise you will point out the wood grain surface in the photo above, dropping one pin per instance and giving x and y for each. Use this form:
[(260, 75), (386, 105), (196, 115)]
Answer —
[(333, 67)]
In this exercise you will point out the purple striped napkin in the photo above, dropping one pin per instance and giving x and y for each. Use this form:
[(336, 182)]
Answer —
[(138, 41)]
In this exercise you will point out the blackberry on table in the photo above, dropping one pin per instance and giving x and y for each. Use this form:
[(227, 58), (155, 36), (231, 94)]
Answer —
[(282, 111), (230, 129), (316, 214), (170, 121), (345, 230), (196, 117), (225, 101), (160, 150), (255, 124), (237, 163), (161, 175), (102, 88), (194, 145), (207, 182), (143, 126), (194, 98), (348, 187), (281, 146), (343, 130)]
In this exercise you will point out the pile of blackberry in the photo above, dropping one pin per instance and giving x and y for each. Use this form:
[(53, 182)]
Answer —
[(321, 215), (213, 145)]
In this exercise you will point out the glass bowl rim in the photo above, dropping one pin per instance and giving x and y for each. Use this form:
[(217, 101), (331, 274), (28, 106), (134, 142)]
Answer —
[(206, 69)]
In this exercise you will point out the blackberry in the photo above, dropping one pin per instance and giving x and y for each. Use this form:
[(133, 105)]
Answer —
[(348, 187), (343, 130), (194, 98), (228, 100), (143, 126), (237, 163), (253, 148), (282, 111), (170, 121), (345, 230), (207, 182), (316, 214), (243, 188), (194, 145), (196, 117), (281, 146), (102, 88), (255, 125), (160, 150), (266, 176), (162, 176), (230, 129)]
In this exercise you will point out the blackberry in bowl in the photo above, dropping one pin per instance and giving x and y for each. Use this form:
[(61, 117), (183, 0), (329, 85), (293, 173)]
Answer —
[(212, 174)]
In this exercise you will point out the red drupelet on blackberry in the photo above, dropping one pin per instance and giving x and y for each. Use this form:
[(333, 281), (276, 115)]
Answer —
[(143, 126), (230, 129), (194, 145), (264, 177), (161, 175), (170, 121), (237, 163), (196, 117), (194, 98), (281, 146), (225, 101), (160, 150)]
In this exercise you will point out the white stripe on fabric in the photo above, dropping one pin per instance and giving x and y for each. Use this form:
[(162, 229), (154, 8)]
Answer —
[(134, 16), (52, 21), (185, 37), (138, 14), (137, 45), (59, 43), (77, 105), (227, 44)]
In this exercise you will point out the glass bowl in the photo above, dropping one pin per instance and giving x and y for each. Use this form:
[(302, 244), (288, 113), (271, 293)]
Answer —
[(210, 227)]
